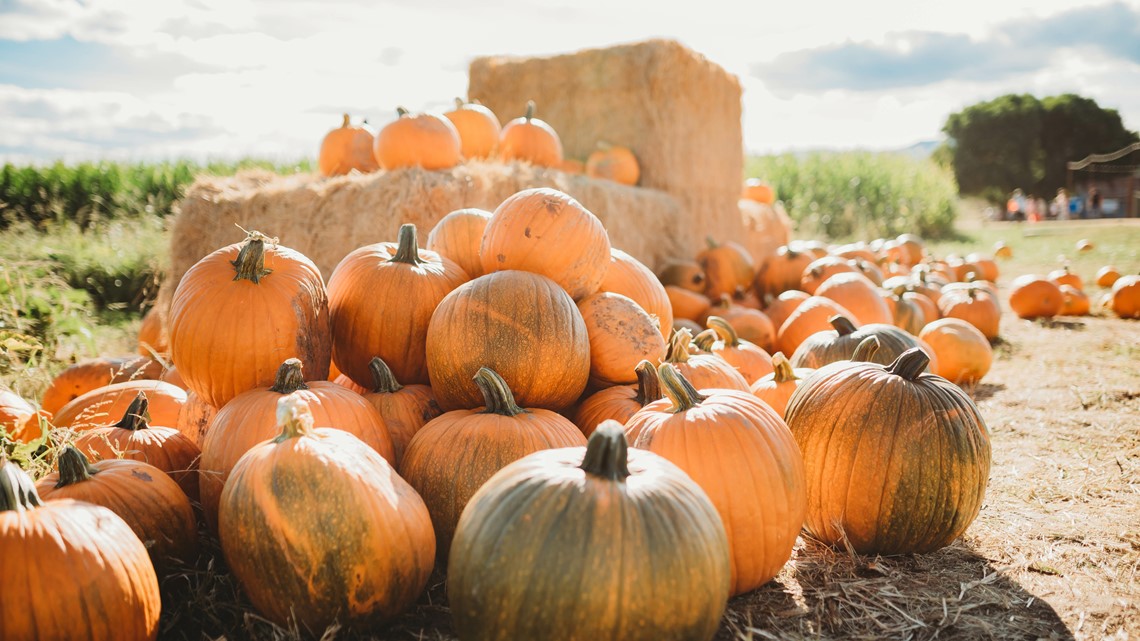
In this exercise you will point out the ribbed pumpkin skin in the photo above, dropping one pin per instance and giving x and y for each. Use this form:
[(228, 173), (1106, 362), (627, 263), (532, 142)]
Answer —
[(150, 502), (908, 315), (547, 232), (424, 140), (530, 139), (830, 346), (751, 325), (621, 335), (404, 408), (616, 403), (782, 272), (153, 337), (346, 148), (163, 447), (810, 317), (780, 308), (478, 129), (457, 237), (777, 388), (111, 591), (743, 456), (105, 405), (381, 307), (704, 371), (629, 277), (91, 374), (821, 269), (546, 550), (752, 362), (687, 305), (229, 336), (856, 293), (523, 326), (964, 354), (868, 437), (320, 527), (975, 306), (1035, 297)]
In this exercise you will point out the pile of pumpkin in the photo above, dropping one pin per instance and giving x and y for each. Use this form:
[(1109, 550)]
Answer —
[(470, 131), (484, 396)]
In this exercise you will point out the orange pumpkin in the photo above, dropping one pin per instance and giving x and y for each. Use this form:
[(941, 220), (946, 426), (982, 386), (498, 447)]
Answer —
[(547, 232), (906, 313), (857, 294), (1126, 297), (240, 311), (964, 354), (105, 405), (346, 149), (154, 339), (811, 316), (722, 340), (628, 277), (572, 166), (985, 267), (621, 335), (194, 418), (84, 376), (457, 237), (707, 371), (422, 140), (782, 272), (477, 126), (976, 306), (778, 309), (1076, 302), (18, 419), (727, 267), (1035, 297), (776, 388), (1085, 245), (171, 375), (821, 269), (381, 298), (759, 191), (619, 402), (749, 324), (687, 305), (1107, 275), (404, 408), (1064, 276), (611, 162), (530, 139), (686, 274), (1003, 251), (823, 348)]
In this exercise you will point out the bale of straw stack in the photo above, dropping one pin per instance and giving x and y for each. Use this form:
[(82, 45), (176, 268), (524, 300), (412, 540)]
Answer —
[(677, 111), (325, 218)]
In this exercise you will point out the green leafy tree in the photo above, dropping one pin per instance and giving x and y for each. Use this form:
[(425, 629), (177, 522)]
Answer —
[(1073, 128)]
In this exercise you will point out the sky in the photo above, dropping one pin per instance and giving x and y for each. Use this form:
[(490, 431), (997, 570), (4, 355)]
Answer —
[(222, 79)]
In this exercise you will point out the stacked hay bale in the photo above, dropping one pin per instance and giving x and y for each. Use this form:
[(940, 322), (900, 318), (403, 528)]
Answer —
[(679, 112)]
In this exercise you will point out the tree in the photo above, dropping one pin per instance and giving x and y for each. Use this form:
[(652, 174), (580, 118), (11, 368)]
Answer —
[(1018, 141)]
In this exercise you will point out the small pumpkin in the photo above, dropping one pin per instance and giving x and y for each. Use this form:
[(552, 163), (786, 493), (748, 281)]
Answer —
[(759, 191), (621, 335), (87, 375), (686, 274), (629, 277), (857, 294), (1126, 297), (457, 237), (778, 309), (154, 339), (1076, 302), (1085, 245), (964, 353), (19, 421), (530, 139), (974, 305), (748, 358), (105, 405), (424, 140), (811, 316), (404, 408), (776, 388), (613, 162), (1032, 296), (823, 268), (346, 149), (1003, 251), (1065, 276), (782, 272), (749, 324), (984, 266), (1106, 276), (687, 305), (619, 402), (705, 371), (727, 266), (478, 128), (906, 312)]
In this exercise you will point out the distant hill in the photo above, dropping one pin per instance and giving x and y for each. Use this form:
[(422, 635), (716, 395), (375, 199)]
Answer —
[(920, 150)]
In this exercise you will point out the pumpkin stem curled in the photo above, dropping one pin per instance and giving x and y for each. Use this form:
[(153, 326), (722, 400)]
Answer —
[(648, 385), (784, 371), (289, 377), (401, 112), (383, 380), (250, 263), (704, 341), (74, 467), (607, 452), (17, 492), (406, 250), (909, 364), (678, 351), (135, 417), (345, 123), (842, 324), (866, 349), (458, 102), (724, 330), (294, 417), (497, 395), (678, 389)]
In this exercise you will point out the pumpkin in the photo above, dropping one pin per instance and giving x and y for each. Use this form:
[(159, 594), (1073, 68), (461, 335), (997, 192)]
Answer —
[(611, 162), (868, 434), (150, 502), (317, 527), (346, 149), (424, 140), (19, 421), (1085, 245), (686, 274), (821, 269), (110, 592), (687, 305), (759, 191), (1003, 251), (457, 237), (856, 293), (906, 312), (583, 543), (778, 309), (446, 471), (532, 140), (722, 340), (1032, 296), (984, 266), (619, 402), (705, 371), (621, 335), (727, 266), (781, 272), (1107, 275), (171, 375), (194, 418), (133, 437), (572, 166), (839, 344), (1065, 276), (547, 232), (629, 277), (381, 298), (776, 388), (964, 353), (520, 324), (1126, 297), (811, 316), (853, 251), (692, 327), (976, 306), (84, 376), (1076, 302), (251, 418), (243, 309), (154, 340), (817, 248), (869, 269), (747, 462), (749, 324), (478, 128), (909, 248), (930, 311), (105, 405), (404, 408)]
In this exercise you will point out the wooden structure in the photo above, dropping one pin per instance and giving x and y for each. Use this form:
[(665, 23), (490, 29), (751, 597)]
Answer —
[(1116, 176)]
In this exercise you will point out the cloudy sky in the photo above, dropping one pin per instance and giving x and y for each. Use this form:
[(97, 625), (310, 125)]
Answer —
[(150, 79)]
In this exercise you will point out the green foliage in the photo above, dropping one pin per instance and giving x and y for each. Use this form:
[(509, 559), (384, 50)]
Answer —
[(1018, 141), (861, 194)]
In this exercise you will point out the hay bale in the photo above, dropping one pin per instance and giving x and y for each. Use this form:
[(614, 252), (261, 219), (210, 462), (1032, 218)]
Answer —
[(679, 112), (325, 218)]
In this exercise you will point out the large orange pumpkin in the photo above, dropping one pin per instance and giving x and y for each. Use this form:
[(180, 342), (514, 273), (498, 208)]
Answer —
[(782, 272), (974, 305), (749, 324), (706, 371), (821, 269), (629, 277), (612, 162), (530, 139), (722, 340), (346, 149), (778, 309), (1076, 302), (441, 464), (868, 434), (1032, 296), (1106, 276), (856, 293), (621, 335), (318, 528), (964, 353), (1064, 276), (457, 237), (84, 376), (1126, 297), (154, 339), (547, 232), (381, 298), (619, 402), (687, 305), (240, 311), (747, 462), (404, 408), (776, 388), (478, 128), (424, 140), (811, 316), (105, 405)]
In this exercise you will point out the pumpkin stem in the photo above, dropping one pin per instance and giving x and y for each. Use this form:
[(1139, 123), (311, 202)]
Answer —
[(909, 364), (294, 417), (250, 263), (345, 123), (289, 378), (17, 492), (401, 112), (842, 324), (497, 395), (648, 385), (406, 250), (784, 371), (711, 242), (383, 380), (459, 103), (529, 110), (135, 417), (724, 330), (607, 452), (866, 349), (678, 388), (74, 467), (704, 341), (678, 351)]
